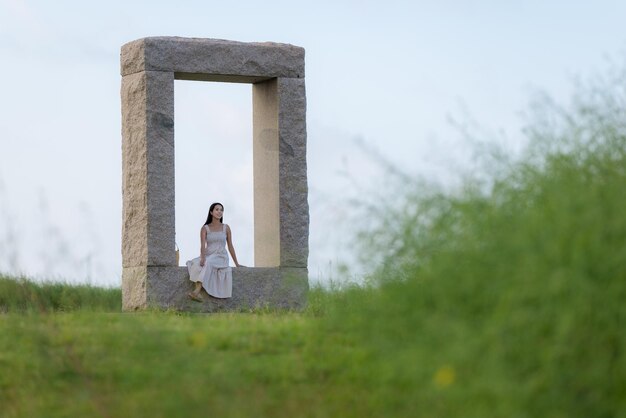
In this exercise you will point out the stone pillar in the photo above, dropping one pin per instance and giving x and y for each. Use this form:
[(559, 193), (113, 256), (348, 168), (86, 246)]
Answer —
[(281, 210), (294, 205), (147, 180)]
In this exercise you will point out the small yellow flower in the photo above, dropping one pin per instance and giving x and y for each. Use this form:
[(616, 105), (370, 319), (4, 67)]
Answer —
[(444, 377), (197, 339)]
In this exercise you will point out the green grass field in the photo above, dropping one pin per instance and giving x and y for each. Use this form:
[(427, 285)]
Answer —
[(505, 299), (87, 362)]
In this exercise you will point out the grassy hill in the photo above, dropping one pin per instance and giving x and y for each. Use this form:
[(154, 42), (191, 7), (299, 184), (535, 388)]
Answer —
[(506, 299)]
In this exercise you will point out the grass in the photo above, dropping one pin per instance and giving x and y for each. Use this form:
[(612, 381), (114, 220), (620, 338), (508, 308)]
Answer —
[(24, 295), (166, 364), (503, 299), (151, 364), (510, 294)]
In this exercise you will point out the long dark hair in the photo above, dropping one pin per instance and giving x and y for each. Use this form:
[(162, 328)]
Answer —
[(209, 218)]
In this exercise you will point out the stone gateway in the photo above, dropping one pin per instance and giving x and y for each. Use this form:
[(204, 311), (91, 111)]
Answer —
[(150, 274)]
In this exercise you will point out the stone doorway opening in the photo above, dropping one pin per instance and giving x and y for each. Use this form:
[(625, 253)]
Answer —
[(214, 162)]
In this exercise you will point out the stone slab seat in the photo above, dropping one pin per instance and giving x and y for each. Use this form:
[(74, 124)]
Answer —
[(253, 287)]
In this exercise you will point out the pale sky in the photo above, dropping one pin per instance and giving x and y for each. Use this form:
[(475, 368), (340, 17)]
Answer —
[(387, 73)]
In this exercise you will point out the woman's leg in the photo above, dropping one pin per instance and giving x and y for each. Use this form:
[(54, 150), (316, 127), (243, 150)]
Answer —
[(195, 295), (198, 288)]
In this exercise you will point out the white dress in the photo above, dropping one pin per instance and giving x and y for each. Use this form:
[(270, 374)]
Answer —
[(216, 276)]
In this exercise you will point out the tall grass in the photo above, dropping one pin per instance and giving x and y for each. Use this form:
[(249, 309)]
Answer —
[(508, 298), (25, 295)]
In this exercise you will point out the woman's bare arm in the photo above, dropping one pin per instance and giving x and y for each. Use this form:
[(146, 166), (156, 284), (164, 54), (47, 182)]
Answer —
[(231, 249), (202, 246)]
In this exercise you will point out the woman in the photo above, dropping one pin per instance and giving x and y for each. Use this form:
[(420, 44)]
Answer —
[(211, 269)]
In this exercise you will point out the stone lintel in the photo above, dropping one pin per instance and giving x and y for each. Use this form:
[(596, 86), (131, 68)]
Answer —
[(221, 78), (212, 56)]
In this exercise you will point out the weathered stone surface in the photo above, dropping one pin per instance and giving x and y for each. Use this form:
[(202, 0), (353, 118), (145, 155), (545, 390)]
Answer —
[(149, 67), (144, 287), (134, 284), (161, 171), (148, 169), (189, 56), (167, 288), (134, 162), (164, 288), (294, 206)]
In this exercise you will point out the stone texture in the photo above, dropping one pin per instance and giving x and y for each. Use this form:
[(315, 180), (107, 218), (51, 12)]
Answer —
[(280, 185), (148, 169), (134, 175), (150, 276), (134, 283), (167, 288), (266, 174), (161, 170), (188, 56), (294, 206)]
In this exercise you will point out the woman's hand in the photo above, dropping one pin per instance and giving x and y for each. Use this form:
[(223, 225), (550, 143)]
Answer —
[(202, 261)]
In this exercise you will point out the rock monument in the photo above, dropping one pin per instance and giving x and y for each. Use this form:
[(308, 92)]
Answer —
[(150, 275)]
